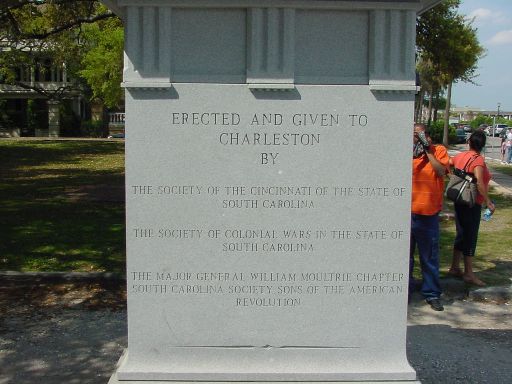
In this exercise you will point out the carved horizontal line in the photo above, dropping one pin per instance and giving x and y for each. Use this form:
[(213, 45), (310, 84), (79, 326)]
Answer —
[(264, 347)]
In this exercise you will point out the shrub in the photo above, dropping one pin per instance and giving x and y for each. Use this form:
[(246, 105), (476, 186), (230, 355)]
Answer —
[(91, 128), (69, 121), (479, 120), (436, 132)]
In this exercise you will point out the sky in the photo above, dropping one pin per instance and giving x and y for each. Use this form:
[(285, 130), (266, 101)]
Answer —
[(493, 19)]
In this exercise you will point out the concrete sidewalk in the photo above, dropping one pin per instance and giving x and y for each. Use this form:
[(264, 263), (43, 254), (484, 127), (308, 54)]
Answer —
[(470, 342), (59, 337)]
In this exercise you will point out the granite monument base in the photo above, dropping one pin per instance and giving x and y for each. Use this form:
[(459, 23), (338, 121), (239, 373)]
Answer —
[(114, 379)]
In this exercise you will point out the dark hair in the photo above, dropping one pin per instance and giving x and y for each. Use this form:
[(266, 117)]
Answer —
[(477, 141), (423, 127)]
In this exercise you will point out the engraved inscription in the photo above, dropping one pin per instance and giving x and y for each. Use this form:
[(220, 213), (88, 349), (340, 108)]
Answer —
[(267, 289), (272, 197), (261, 128)]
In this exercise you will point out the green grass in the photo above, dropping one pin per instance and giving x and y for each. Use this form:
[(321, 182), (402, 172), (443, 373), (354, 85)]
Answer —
[(44, 228), (44, 225), (502, 168), (493, 260)]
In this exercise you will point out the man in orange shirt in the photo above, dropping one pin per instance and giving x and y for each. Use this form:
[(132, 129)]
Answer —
[(429, 167)]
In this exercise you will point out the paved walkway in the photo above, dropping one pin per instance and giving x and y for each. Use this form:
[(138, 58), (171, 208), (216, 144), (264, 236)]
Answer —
[(468, 343)]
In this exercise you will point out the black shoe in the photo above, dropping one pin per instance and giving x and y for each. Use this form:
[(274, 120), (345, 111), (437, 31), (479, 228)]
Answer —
[(436, 304)]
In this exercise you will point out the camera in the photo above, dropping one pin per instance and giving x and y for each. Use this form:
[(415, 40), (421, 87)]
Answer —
[(422, 138)]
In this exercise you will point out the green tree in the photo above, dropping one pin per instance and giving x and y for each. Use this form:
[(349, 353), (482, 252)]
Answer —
[(34, 31), (429, 84), (103, 60), (431, 91), (449, 41), (479, 120)]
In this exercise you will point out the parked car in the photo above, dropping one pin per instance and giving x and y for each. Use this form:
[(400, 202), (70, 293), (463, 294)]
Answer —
[(461, 136), (116, 136), (496, 130)]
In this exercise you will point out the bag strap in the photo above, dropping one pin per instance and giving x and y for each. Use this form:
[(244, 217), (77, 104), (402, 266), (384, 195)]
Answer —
[(468, 163), (462, 188)]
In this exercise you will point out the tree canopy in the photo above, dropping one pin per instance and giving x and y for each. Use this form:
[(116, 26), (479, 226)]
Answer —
[(40, 19), (65, 31), (102, 62), (447, 41), (87, 39)]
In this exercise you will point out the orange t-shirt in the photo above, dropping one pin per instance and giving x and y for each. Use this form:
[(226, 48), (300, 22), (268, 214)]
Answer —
[(427, 186), (463, 158)]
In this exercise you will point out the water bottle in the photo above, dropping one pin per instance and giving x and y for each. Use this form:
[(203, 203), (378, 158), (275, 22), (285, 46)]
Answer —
[(487, 214)]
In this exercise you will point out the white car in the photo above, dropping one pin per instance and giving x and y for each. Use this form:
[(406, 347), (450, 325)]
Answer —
[(498, 128)]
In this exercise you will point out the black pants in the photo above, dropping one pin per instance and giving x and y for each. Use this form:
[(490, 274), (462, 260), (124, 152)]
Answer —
[(467, 221)]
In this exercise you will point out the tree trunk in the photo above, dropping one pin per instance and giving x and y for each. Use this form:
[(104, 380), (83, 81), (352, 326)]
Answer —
[(436, 104), (447, 114), (418, 116), (430, 104)]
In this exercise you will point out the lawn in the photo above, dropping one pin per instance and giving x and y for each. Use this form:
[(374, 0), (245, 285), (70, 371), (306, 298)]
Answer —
[(502, 168), (493, 259), (61, 211), (60, 207)]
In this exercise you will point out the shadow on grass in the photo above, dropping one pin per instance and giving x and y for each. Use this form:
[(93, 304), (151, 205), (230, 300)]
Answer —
[(42, 227), (46, 166), (64, 237), (19, 154), (500, 274)]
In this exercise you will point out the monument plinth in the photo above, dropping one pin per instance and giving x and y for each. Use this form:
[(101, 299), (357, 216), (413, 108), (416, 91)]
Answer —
[(268, 152)]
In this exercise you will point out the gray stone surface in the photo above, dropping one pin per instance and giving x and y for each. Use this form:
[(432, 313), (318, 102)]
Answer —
[(332, 246), (262, 243)]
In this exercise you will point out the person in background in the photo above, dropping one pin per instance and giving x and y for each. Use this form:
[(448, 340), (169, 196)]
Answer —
[(429, 168), (467, 220), (503, 149), (508, 145)]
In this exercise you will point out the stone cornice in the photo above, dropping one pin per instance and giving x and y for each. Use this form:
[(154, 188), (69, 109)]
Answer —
[(419, 6)]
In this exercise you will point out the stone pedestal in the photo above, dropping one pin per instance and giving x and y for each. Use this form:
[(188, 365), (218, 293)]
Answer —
[(268, 173), (264, 244)]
